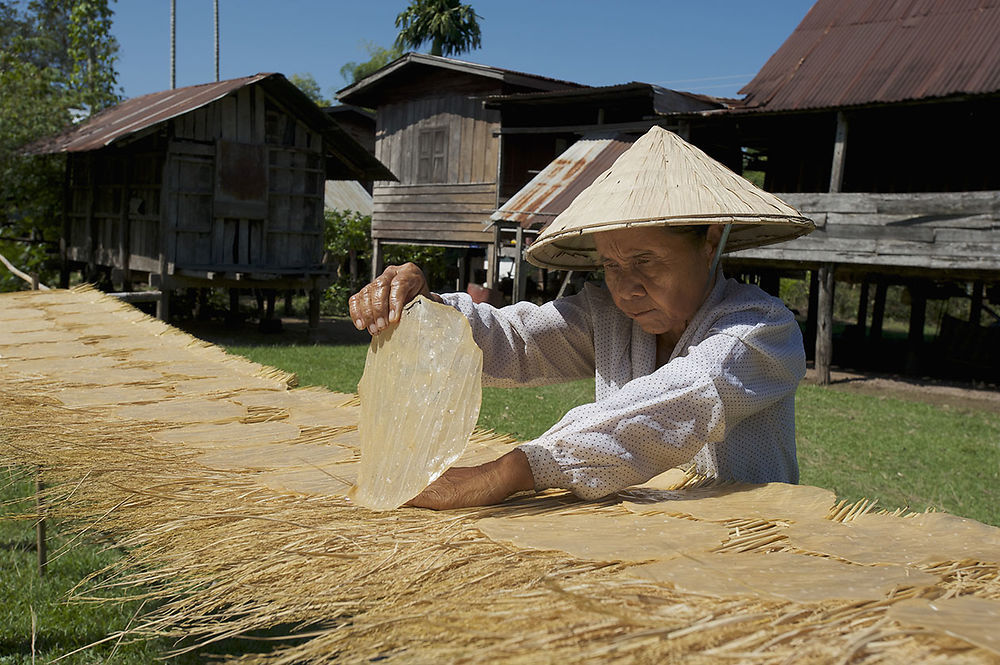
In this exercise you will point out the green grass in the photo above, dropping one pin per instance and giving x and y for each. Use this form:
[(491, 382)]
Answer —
[(905, 454)]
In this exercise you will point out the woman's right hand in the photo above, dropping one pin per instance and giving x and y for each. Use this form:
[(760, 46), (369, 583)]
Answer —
[(380, 304)]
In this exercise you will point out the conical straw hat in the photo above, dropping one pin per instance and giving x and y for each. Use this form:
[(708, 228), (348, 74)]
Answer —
[(663, 180)]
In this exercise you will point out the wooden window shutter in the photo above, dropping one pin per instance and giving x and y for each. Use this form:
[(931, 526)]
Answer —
[(432, 155)]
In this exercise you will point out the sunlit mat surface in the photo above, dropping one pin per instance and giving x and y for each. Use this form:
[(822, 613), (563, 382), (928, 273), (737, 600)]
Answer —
[(227, 488)]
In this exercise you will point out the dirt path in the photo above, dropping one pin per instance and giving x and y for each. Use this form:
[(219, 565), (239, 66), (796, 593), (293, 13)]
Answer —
[(932, 391)]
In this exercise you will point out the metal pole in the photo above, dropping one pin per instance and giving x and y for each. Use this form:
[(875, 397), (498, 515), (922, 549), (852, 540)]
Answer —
[(216, 40), (173, 44)]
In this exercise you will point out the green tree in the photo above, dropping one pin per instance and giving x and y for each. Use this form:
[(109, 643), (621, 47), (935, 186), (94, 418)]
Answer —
[(56, 63), (307, 84), (378, 57), (451, 27)]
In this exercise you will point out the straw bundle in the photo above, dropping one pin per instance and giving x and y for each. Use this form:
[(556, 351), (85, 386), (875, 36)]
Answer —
[(235, 535)]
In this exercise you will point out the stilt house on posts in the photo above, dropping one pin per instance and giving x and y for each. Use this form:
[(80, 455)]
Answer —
[(879, 121), (433, 132), (555, 144), (213, 185)]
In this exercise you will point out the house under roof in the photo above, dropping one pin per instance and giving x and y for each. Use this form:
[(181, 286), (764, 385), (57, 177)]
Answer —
[(858, 52)]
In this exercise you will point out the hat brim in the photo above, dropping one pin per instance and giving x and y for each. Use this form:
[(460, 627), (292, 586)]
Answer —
[(574, 248)]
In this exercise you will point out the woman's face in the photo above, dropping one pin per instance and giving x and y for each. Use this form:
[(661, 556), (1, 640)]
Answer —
[(657, 277)]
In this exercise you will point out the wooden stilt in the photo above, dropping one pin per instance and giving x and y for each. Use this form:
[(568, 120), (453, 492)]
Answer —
[(315, 295), (810, 340), (976, 305), (863, 307), (824, 324), (878, 310), (918, 317)]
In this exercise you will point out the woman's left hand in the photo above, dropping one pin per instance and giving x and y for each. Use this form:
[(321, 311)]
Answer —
[(483, 485)]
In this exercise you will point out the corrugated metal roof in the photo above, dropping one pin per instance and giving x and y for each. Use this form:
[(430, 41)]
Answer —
[(555, 186), (135, 115), (347, 195), (855, 52)]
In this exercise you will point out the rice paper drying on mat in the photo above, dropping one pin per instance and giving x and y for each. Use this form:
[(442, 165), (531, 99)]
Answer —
[(420, 395)]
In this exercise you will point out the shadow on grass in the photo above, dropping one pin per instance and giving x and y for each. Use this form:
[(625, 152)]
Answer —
[(294, 332)]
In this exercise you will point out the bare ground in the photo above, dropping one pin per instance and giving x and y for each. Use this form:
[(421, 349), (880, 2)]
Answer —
[(958, 395)]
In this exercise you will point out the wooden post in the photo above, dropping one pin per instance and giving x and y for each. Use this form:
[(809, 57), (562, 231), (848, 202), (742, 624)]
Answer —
[(376, 257), (163, 302), (66, 225), (124, 230), (839, 154), (918, 317), (40, 539), (493, 274), (315, 295), (810, 340), (976, 304), (863, 307), (878, 310), (520, 274), (824, 324)]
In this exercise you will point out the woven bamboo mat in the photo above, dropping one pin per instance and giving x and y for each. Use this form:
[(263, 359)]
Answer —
[(226, 487)]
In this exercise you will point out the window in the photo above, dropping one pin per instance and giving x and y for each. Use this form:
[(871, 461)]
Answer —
[(432, 155)]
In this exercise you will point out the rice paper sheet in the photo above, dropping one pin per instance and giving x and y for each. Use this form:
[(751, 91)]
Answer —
[(420, 397)]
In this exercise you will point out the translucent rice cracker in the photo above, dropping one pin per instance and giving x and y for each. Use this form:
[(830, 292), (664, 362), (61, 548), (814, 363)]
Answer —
[(975, 620), (420, 397)]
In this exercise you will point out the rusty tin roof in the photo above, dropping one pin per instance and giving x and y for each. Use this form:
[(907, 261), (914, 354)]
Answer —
[(857, 52), (135, 115), (554, 187)]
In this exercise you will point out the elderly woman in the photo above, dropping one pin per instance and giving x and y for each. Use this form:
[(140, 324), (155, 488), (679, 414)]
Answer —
[(689, 366)]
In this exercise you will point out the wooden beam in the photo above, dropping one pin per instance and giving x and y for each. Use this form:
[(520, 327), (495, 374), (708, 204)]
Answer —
[(839, 154), (824, 324)]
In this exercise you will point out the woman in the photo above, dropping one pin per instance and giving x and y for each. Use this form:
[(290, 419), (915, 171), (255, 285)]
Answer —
[(689, 366)]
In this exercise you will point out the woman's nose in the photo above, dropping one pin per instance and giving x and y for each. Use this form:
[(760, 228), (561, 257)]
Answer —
[(630, 286)]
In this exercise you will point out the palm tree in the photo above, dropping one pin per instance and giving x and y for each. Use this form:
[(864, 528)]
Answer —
[(451, 27)]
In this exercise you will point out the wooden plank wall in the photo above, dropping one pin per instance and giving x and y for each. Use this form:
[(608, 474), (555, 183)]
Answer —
[(472, 147), (290, 235), (956, 231), (100, 185), (450, 213), (457, 210)]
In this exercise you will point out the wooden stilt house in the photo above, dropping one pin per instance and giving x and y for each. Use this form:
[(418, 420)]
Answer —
[(434, 134), (878, 120), (214, 185)]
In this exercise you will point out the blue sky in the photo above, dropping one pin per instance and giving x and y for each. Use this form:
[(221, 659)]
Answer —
[(708, 46)]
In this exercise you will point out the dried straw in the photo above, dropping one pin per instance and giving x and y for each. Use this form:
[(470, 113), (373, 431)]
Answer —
[(216, 552)]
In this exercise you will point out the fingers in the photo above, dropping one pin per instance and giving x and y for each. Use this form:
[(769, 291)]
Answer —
[(380, 304)]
